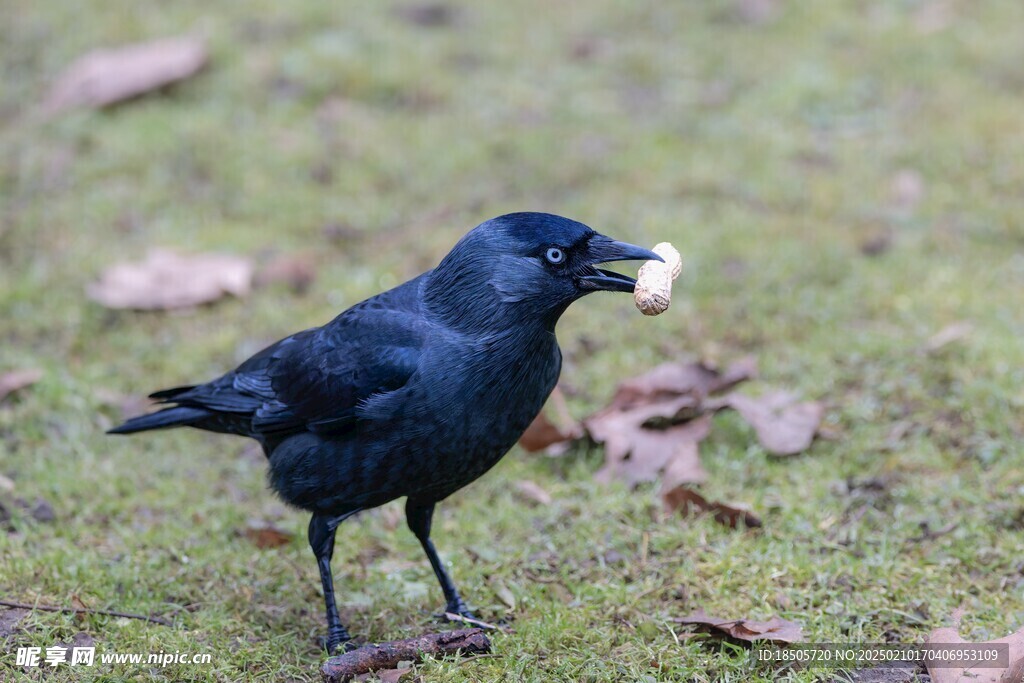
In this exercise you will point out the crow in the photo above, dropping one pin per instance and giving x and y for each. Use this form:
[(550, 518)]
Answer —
[(414, 392)]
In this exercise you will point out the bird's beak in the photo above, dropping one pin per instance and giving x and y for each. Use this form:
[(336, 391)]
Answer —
[(601, 249)]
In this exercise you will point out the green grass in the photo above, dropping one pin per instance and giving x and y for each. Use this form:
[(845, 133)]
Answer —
[(765, 152)]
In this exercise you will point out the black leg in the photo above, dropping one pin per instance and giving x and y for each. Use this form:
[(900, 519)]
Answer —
[(418, 516), (321, 540)]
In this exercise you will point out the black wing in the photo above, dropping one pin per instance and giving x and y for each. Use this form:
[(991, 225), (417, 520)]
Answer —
[(316, 380)]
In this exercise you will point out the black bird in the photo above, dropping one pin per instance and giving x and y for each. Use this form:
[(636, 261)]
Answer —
[(414, 392)]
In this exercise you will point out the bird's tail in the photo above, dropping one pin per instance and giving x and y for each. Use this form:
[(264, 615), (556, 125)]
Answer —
[(177, 416)]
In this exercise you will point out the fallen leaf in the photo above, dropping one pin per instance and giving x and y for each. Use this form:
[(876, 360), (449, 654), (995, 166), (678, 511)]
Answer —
[(947, 672), (297, 271), (949, 334), (635, 453), (505, 595), (657, 419), (541, 434), (684, 467), (684, 499), (673, 380), (78, 603), (775, 630), (107, 76), (532, 491), (783, 425), (267, 536), (167, 280), (18, 379)]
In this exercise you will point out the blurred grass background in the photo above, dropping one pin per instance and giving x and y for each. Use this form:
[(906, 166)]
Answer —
[(844, 180)]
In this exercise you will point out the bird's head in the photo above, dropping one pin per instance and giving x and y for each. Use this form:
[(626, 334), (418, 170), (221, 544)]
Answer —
[(527, 266)]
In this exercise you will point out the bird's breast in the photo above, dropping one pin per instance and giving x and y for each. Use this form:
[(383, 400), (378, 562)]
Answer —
[(468, 405)]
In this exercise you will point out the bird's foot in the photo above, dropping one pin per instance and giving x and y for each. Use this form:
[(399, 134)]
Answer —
[(339, 643)]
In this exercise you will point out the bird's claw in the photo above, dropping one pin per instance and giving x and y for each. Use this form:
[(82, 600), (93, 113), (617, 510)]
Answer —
[(334, 642)]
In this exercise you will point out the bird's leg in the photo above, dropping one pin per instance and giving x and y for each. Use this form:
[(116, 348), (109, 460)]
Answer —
[(321, 540), (418, 517)]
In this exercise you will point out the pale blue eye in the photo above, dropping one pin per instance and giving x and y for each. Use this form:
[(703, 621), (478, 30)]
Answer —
[(555, 255)]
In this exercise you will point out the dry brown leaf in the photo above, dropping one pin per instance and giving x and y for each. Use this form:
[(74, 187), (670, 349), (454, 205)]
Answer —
[(542, 433), (532, 491), (167, 280), (687, 501), (775, 630), (783, 425), (656, 419), (948, 335), (18, 379), (267, 536), (945, 672), (552, 435), (635, 453), (673, 380), (104, 77), (297, 271)]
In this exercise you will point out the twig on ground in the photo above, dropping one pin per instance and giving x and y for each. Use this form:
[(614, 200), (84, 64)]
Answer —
[(452, 616), (84, 610), (374, 657)]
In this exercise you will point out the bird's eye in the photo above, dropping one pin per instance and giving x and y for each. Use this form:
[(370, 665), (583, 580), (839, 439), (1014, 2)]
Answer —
[(555, 255)]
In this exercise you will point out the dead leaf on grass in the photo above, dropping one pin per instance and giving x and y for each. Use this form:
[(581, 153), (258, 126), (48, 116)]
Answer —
[(168, 280), (656, 420), (533, 492), (686, 500), (107, 76), (267, 536), (783, 425), (673, 380), (775, 630), (297, 271), (16, 380), (946, 672), (949, 334), (552, 435), (542, 433)]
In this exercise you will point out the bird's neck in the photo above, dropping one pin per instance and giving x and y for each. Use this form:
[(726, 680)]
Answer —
[(463, 298)]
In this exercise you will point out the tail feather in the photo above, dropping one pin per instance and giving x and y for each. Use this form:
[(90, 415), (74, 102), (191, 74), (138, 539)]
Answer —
[(166, 394), (169, 417)]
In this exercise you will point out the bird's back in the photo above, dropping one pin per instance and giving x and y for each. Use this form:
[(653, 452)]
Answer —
[(467, 403)]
